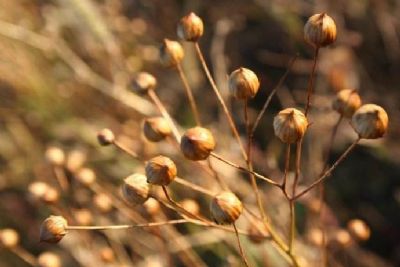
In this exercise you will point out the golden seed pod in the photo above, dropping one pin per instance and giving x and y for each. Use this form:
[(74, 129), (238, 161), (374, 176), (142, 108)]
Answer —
[(359, 229), (257, 233), (51, 195), (342, 238), (136, 189), (156, 129), (55, 156), (49, 259), (53, 229), (83, 217), (191, 206), (143, 82), (190, 28), (315, 236), (347, 101), (320, 30), (243, 83), (105, 137), (75, 160), (103, 202), (160, 170), (152, 206), (9, 238), (86, 176), (107, 255), (171, 53), (290, 125), (38, 189), (370, 121), (197, 143), (226, 208)]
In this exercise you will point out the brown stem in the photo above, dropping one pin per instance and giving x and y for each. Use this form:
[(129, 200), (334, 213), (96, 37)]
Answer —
[(189, 94), (242, 254), (194, 187), (327, 173), (221, 100), (287, 162), (178, 206), (311, 81), (292, 226), (299, 145), (126, 226), (125, 149)]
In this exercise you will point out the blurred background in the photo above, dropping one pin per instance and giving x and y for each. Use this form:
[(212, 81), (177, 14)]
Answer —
[(65, 72)]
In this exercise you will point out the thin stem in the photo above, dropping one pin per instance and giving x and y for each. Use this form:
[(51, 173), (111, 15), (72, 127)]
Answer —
[(311, 81), (24, 255), (178, 206), (240, 168), (61, 178), (220, 99), (189, 94), (292, 229), (153, 96), (242, 254), (126, 226), (273, 92), (219, 180), (287, 162), (327, 173), (194, 187), (125, 149), (299, 145)]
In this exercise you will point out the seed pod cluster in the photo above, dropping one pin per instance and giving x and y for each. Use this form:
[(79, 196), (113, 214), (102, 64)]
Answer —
[(290, 125), (243, 83), (226, 208), (197, 143), (370, 121), (320, 30), (144, 82), (156, 129), (53, 229), (160, 170), (347, 101), (171, 53), (190, 28), (41, 191), (105, 137), (136, 189)]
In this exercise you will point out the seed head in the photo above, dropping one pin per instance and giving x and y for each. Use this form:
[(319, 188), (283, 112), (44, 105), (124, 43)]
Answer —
[(9, 238), (197, 143), (49, 259), (257, 233), (190, 28), (243, 83), (156, 129), (83, 217), (105, 137), (86, 176), (370, 121), (347, 102), (320, 30), (75, 159), (107, 255), (143, 82), (53, 229), (290, 125), (191, 206), (103, 202), (359, 229), (342, 238), (226, 208), (171, 53), (152, 206), (136, 189), (55, 156), (160, 170)]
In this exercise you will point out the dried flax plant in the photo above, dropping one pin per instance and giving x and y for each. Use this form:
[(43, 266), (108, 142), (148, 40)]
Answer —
[(151, 189)]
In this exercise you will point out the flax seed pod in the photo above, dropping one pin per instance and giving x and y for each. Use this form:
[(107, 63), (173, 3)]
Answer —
[(342, 238), (191, 206), (226, 208), (105, 137), (53, 229), (107, 255), (49, 259), (103, 202), (55, 156), (152, 206), (86, 176), (359, 229), (370, 121), (171, 53), (9, 238), (257, 233), (83, 217), (243, 84), (160, 170), (347, 101), (290, 125), (197, 143), (156, 129), (144, 82), (136, 189), (190, 28), (320, 30)]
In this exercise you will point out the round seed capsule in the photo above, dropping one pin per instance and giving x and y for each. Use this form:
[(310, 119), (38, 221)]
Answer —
[(243, 83), (105, 137), (136, 189), (359, 229), (156, 129), (290, 125), (190, 28), (53, 229), (160, 170), (226, 208), (9, 238), (320, 30), (197, 143), (370, 121), (347, 102), (144, 82), (171, 53), (49, 259), (86, 176), (55, 156)]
